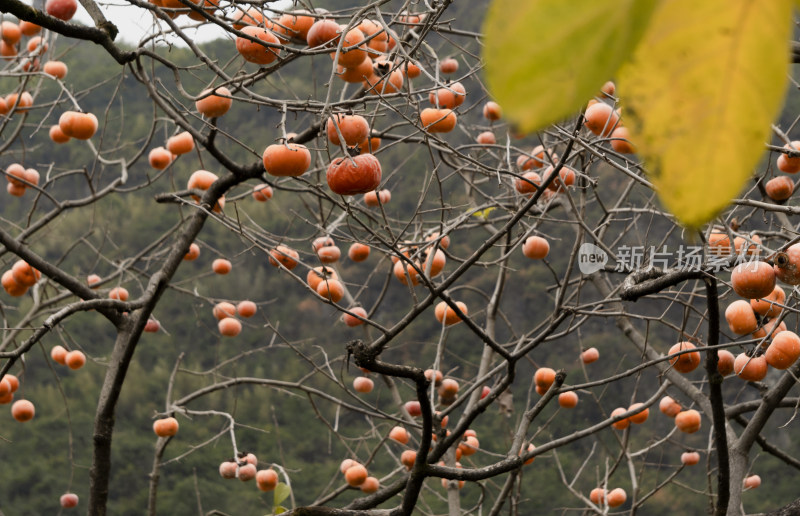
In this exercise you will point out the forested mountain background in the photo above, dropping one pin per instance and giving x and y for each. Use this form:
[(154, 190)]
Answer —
[(43, 458)]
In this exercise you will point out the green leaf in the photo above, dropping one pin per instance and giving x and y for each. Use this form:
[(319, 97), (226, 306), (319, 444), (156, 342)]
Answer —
[(282, 492), (699, 95), (546, 58), (279, 509)]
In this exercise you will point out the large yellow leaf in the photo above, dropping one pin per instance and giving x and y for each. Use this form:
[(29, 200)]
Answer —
[(546, 58), (699, 95)]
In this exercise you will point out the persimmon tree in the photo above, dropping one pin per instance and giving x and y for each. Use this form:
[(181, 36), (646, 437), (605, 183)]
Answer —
[(335, 201)]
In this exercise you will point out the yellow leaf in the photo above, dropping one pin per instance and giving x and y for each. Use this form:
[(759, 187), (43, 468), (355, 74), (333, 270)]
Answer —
[(484, 214), (546, 58), (699, 95)]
